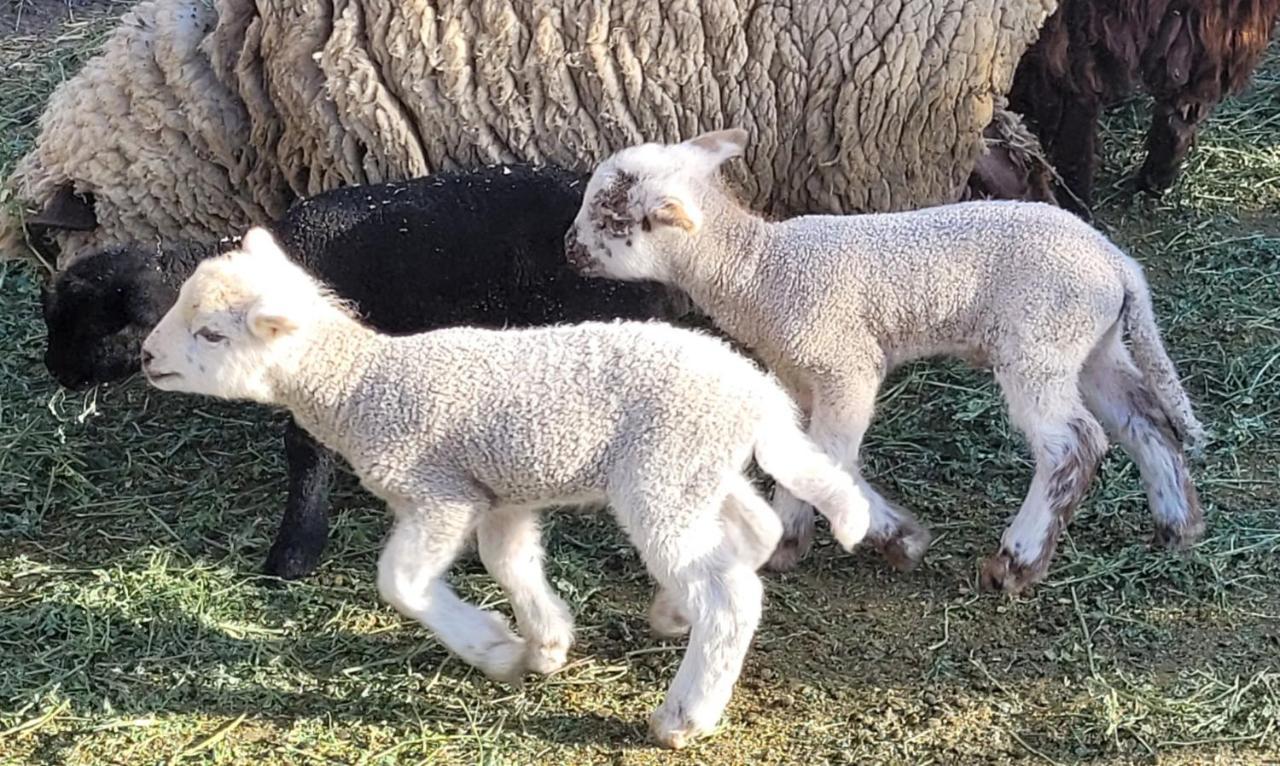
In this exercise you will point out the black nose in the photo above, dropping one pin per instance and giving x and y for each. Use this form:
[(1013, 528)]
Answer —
[(146, 357)]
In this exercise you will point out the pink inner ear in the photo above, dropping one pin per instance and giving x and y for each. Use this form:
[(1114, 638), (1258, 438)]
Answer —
[(672, 213)]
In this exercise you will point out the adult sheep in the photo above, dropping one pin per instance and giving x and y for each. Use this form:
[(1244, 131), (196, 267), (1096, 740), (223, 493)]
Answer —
[(1189, 54), (199, 119)]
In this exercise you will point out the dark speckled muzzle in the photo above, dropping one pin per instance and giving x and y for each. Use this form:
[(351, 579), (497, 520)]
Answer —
[(577, 255)]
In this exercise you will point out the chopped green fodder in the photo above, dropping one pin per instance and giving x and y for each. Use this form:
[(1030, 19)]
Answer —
[(135, 627)]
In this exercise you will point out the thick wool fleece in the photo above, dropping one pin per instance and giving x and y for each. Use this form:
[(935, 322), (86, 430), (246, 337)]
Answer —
[(833, 303), (532, 415), (1010, 284), (198, 120), (468, 432)]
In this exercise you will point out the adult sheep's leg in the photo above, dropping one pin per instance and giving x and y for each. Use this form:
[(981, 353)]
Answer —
[(423, 543), (304, 530), (1114, 391), (1071, 141), (510, 547), (840, 419), (1068, 445)]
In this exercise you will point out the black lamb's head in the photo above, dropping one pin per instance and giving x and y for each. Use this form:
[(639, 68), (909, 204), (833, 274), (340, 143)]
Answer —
[(98, 311)]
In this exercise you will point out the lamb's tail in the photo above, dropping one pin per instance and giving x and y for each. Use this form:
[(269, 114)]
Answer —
[(1153, 360), (795, 462)]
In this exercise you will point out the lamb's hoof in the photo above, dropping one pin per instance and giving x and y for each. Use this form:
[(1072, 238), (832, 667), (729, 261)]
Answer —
[(665, 618), (791, 549), (547, 658), (1178, 537), (906, 548), (291, 562), (851, 527), (671, 728), (1002, 573), (503, 661)]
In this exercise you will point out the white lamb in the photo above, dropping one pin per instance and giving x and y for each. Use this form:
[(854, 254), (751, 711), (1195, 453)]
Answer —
[(466, 430), (833, 303)]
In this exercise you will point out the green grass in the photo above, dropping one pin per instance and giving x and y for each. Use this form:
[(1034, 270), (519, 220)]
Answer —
[(134, 627)]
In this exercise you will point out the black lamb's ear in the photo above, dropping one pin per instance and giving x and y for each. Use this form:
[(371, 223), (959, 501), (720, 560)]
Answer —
[(67, 210)]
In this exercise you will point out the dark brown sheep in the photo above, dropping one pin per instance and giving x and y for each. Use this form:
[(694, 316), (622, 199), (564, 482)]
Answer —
[(1188, 54)]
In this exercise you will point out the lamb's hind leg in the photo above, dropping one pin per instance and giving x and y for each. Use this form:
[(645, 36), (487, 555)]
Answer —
[(751, 528), (723, 600), (1114, 391), (1068, 444), (423, 543), (681, 538), (510, 545)]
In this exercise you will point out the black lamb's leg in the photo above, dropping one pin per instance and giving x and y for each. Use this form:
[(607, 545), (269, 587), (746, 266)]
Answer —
[(305, 528)]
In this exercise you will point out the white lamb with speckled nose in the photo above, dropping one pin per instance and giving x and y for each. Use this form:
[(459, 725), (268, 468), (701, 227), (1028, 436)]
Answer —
[(833, 303), (466, 431)]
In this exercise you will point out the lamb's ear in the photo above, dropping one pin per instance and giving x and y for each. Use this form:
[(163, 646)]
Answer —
[(672, 212), (271, 319), (259, 241), (719, 146)]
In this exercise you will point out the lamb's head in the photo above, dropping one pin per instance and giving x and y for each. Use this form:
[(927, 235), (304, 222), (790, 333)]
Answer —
[(97, 312), (644, 204), (240, 321)]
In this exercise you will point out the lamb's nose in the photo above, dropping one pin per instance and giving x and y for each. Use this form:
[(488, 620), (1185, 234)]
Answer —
[(147, 357), (575, 252)]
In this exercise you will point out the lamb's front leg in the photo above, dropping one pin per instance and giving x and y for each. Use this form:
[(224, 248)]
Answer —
[(510, 547), (842, 414), (795, 514), (304, 530), (423, 543)]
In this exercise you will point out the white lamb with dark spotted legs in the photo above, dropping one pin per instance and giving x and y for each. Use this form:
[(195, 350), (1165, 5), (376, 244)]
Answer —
[(467, 431), (833, 303)]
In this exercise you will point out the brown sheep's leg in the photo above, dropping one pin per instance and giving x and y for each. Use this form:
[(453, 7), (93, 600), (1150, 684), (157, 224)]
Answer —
[(1075, 155), (1172, 134), (1114, 391), (1068, 444)]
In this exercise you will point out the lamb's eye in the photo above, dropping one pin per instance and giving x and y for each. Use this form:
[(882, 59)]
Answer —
[(206, 334), (644, 224), (615, 225)]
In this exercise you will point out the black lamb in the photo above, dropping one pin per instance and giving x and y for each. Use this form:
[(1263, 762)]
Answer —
[(483, 247)]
